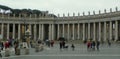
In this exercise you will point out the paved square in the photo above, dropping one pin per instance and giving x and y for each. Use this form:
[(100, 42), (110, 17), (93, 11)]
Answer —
[(106, 52)]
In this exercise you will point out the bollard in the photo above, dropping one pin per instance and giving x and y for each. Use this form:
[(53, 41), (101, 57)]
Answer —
[(41, 47), (17, 51), (37, 48), (26, 51), (7, 52)]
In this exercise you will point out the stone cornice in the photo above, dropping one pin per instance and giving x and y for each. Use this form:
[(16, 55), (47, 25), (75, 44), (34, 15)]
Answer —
[(86, 17), (96, 16)]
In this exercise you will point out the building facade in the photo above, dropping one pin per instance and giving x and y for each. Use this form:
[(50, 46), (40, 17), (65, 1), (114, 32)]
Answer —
[(102, 26)]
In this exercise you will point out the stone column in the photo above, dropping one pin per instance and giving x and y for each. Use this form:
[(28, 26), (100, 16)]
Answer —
[(19, 31), (50, 33), (116, 30), (63, 30), (13, 31), (68, 31), (110, 30), (2, 30), (30, 29), (105, 31), (42, 31), (58, 31), (8, 25), (78, 31), (99, 31), (73, 31), (35, 31), (83, 31), (88, 30), (94, 31), (39, 31)]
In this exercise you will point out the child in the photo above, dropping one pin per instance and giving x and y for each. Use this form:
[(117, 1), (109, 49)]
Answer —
[(73, 47)]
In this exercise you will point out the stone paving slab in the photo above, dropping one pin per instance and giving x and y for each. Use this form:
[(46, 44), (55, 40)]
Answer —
[(106, 52)]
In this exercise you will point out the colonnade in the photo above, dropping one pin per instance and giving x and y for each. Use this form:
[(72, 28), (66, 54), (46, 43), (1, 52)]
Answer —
[(36, 31), (102, 31)]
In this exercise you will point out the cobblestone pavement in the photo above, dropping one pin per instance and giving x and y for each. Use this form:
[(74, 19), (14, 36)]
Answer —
[(106, 52)]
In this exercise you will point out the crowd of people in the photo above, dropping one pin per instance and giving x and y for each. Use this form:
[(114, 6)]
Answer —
[(92, 45), (4, 45), (64, 46)]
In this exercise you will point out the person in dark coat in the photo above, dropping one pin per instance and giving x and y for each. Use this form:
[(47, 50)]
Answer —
[(0, 54), (97, 45), (93, 45), (1, 45), (16, 45), (63, 44), (109, 43), (60, 45), (73, 47)]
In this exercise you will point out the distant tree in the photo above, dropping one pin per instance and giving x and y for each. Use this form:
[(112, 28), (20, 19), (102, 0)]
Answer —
[(37, 12), (27, 12), (16, 12), (5, 7)]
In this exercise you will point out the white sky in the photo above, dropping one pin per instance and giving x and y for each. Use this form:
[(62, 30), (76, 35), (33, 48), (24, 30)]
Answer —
[(63, 6)]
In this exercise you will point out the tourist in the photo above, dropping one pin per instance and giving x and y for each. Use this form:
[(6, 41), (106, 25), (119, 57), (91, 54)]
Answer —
[(97, 45), (0, 52), (7, 44), (93, 45), (16, 45), (109, 43), (1, 45), (60, 45), (52, 43), (48, 42), (63, 44), (73, 47), (10, 42), (88, 45)]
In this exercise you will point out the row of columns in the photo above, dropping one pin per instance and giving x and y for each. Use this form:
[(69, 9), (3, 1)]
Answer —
[(99, 28), (40, 35), (81, 31)]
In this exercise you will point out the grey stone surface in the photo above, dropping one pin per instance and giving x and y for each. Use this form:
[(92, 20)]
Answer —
[(106, 52)]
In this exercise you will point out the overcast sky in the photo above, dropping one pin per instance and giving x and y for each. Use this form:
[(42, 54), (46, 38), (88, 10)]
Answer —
[(63, 6)]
